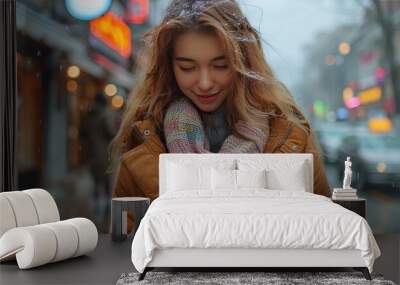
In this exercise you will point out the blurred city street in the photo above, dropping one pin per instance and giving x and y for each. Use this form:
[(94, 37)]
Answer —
[(340, 59), (382, 199)]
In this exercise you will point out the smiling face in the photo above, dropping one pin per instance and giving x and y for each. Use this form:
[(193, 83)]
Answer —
[(201, 70)]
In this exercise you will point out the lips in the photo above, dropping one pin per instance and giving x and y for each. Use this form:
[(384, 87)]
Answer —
[(207, 99), (205, 95)]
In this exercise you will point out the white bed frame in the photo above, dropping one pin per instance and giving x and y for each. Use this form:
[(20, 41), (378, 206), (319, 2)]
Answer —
[(249, 258), (234, 257)]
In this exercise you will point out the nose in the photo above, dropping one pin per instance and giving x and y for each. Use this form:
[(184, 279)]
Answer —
[(205, 81)]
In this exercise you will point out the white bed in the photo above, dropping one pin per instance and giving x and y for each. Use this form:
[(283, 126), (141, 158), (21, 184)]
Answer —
[(193, 224)]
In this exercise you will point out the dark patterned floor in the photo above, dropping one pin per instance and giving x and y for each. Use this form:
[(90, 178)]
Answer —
[(269, 278)]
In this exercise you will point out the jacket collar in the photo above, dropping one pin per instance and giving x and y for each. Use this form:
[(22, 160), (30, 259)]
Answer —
[(146, 130)]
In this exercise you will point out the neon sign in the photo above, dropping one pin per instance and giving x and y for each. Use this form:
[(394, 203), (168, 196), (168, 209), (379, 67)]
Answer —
[(380, 125), (370, 95), (112, 31)]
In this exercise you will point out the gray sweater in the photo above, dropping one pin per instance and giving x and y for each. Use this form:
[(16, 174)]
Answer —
[(216, 128)]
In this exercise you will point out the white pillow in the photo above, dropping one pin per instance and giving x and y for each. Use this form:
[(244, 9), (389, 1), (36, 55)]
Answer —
[(251, 179), (236, 179), (293, 180), (182, 177), (223, 179), (282, 174)]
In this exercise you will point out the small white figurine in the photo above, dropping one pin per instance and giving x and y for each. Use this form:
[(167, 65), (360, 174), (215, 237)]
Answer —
[(347, 174)]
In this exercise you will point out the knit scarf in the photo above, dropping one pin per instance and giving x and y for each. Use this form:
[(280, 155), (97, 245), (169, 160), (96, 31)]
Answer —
[(185, 133)]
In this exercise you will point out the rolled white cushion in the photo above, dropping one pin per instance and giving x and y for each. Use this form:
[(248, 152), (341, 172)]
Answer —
[(33, 246), (87, 233), (45, 205), (67, 240), (23, 208), (7, 218), (40, 244)]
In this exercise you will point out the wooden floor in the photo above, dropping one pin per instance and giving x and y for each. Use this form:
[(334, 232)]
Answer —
[(389, 262)]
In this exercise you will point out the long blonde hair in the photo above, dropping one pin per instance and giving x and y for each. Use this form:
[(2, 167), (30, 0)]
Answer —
[(256, 93)]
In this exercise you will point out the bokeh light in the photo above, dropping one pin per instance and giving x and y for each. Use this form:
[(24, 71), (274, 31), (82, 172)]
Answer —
[(72, 86), (73, 71), (344, 48), (117, 102), (110, 90)]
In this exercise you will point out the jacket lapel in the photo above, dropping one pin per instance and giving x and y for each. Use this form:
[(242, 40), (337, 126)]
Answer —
[(146, 132)]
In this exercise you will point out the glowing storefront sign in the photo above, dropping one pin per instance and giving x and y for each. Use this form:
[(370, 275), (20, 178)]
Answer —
[(87, 9), (370, 95), (353, 102), (111, 30), (380, 125)]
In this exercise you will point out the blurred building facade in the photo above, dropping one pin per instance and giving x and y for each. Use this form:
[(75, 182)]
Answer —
[(64, 63)]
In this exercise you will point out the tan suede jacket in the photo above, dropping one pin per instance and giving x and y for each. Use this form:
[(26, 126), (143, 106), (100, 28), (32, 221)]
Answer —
[(138, 171)]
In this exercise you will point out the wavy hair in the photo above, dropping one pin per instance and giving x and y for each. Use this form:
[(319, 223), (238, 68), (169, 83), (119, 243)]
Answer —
[(256, 93)]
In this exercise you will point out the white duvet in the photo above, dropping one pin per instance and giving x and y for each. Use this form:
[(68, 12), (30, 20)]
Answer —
[(251, 218)]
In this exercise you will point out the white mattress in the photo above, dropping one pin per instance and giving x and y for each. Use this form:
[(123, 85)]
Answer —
[(252, 218)]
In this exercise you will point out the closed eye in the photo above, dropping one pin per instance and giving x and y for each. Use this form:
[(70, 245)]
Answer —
[(187, 68), (221, 66)]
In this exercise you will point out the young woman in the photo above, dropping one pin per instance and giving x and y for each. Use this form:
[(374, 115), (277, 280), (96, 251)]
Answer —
[(207, 88)]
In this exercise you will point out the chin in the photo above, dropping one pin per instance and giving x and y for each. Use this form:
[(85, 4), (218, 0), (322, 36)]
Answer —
[(207, 107)]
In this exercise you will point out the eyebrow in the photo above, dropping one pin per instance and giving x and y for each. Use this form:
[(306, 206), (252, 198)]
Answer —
[(180, 58)]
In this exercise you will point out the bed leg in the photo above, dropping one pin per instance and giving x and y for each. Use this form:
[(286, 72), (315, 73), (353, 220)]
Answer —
[(143, 274), (364, 271)]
